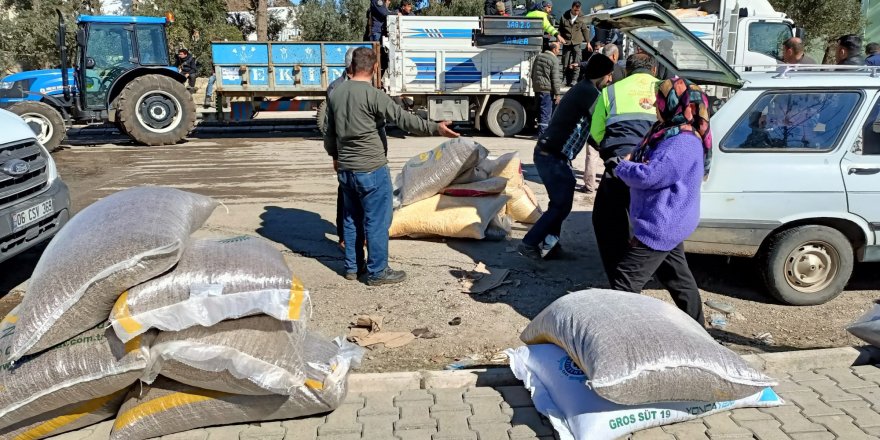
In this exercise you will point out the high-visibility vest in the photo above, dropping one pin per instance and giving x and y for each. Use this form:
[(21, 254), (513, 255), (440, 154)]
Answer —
[(624, 113), (548, 28)]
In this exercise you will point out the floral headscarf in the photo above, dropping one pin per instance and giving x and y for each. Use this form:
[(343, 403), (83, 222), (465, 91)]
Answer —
[(684, 107)]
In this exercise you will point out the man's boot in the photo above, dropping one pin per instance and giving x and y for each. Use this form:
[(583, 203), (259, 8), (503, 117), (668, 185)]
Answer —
[(208, 102)]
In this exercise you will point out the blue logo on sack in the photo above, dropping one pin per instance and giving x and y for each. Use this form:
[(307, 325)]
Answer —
[(570, 369)]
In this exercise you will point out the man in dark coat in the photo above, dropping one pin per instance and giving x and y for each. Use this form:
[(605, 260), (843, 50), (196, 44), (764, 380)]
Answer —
[(187, 65), (849, 51), (575, 29)]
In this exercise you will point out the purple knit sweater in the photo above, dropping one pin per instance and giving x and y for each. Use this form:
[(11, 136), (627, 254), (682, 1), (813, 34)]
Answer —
[(665, 192)]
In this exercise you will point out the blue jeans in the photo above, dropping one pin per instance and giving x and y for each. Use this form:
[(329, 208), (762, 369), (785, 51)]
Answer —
[(367, 214), (558, 178), (545, 110), (210, 89)]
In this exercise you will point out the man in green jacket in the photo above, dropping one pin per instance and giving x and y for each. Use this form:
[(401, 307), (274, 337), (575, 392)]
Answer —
[(360, 159), (543, 12), (546, 78)]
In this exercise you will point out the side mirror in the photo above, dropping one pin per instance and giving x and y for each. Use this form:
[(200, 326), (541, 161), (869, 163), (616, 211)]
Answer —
[(90, 63), (81, 38), (800, 33)]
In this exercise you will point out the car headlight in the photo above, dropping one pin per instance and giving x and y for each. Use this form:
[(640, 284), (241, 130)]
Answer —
[(6, 85), (51, 169)]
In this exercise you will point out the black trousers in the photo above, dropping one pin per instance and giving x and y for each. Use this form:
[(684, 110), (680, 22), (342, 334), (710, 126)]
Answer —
[(640, 263), (571, 54), (611, 221)]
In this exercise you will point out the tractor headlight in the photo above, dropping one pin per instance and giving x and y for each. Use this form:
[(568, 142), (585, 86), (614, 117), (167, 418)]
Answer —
[(6, 85)]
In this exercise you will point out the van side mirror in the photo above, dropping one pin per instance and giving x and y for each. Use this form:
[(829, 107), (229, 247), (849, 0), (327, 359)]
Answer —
[(81, 38), (90, 63), (800, 33)]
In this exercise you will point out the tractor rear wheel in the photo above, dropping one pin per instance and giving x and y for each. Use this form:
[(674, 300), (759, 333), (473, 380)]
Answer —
[(44, 120), (156, 110)]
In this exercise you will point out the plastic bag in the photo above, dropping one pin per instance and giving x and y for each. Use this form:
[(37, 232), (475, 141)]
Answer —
[(867, 328), (166, 407), (65, 419), (461, 217), (215, 280), (112, 245), (91, 365), (578, 413), (636, 349), (255, 355), (424, 175)]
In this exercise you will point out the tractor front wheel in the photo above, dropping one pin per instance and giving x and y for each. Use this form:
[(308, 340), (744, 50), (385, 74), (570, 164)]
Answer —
[(156, 110), (44, 120)]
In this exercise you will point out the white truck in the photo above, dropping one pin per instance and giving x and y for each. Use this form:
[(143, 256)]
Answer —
[(434, 65)]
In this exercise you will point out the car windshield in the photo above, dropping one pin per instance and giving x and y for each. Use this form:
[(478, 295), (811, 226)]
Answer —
[(678, 50)]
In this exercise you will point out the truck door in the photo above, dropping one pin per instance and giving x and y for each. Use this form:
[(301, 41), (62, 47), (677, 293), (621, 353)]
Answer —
[(861, 172), (759, 42)]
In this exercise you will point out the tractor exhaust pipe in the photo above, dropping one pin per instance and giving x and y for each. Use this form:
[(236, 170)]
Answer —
[(62, 47)]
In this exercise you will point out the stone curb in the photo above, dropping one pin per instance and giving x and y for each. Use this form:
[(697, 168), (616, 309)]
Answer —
[(770, 363)]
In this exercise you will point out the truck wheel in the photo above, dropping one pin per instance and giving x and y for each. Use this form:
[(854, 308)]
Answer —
[(322, 114), (156, 110), (44, 120), (505, 117), (807, 265)]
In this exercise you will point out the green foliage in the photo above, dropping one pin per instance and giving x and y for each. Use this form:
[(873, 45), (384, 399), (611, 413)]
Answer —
[(196, 24), (458, 8), (824, 20), (28, 39), (329, 20)]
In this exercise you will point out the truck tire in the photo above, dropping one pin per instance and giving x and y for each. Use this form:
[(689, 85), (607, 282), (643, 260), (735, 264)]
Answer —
[(156, 110), (807, 265), (321, 116), (44, 120), (505, 117)]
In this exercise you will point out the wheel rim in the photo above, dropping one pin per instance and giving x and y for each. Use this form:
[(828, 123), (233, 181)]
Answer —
[(158, 111), (41, 126), (507, 118), (812, 266)]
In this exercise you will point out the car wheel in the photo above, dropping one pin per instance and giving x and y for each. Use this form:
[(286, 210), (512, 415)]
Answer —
[(807, 265), (505, 117)]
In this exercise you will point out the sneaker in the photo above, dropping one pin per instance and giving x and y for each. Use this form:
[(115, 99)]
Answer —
[(390, 276), (530, 252)]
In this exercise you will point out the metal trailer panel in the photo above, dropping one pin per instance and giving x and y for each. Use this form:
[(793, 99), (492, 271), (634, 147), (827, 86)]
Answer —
[(446, 65), (420, 32), (278, 68)]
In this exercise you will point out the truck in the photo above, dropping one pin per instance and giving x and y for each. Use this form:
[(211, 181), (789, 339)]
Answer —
[(121, 75), (435, 65)]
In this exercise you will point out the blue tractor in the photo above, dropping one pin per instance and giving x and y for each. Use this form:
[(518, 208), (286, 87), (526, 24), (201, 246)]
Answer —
[(121, 75)]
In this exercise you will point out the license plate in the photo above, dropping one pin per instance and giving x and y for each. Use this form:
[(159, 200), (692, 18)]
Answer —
[(32, 215)]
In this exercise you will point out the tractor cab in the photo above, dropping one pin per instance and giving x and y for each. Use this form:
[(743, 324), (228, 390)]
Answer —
[(122, 74)]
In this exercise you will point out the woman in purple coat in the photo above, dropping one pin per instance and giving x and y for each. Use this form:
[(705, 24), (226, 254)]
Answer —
[(664, 176)]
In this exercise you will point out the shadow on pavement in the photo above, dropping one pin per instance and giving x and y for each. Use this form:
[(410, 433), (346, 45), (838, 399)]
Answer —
[(303, 233), (16, 271)]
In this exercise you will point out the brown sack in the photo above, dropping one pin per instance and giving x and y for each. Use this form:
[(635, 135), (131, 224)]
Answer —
[(445, 216), (523, 205)]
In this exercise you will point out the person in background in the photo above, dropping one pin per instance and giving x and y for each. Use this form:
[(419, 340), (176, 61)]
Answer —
[(849, 51), (187, 65), (377, 16), (406, 8), (613, 52), (209, 92), (543, 12), (501, 9), (794, 52), (664, 47), (566, 136), (623, 115), (575, 30), (872, 50), (546, 83), (361, 162), (664, 175)]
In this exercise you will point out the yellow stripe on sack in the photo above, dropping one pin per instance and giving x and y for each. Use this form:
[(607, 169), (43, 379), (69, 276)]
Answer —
[(59, 422), (297, 296), (133, 345), (164, 403), (314, 384), (122, 314), (9, 319)]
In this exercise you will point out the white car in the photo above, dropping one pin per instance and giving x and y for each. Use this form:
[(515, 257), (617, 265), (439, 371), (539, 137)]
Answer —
[(795, 174), (34, 202)]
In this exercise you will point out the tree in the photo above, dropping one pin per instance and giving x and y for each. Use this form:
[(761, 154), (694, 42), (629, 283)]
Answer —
[(196, 24), (332, 20), (261, 16), (824, 21), (458, 8)]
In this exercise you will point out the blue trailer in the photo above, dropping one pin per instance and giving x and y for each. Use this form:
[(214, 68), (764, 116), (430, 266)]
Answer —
[(278, 76)]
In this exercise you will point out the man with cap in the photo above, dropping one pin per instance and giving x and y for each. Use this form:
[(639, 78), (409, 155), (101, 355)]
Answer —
[(542, 11), (565, 137)]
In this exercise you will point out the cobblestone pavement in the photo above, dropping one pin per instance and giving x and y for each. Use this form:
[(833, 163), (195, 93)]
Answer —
[(824, 404)]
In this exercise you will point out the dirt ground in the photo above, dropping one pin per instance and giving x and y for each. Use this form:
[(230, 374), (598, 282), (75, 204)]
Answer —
[(281, 187)]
